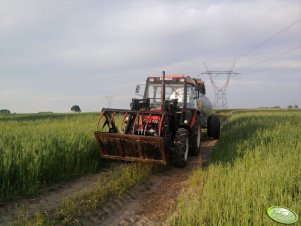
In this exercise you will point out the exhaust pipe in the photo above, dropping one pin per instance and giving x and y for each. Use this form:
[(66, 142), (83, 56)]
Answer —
[(163, 91)]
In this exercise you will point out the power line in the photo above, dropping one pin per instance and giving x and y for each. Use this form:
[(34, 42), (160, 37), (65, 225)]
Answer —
[(278, 66), (273, 57), (285, 65), (235, 59)]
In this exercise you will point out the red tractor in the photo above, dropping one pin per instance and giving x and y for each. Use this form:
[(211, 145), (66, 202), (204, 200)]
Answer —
[(163, 127)]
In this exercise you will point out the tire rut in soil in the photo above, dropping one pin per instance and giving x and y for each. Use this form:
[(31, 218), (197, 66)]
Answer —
[(52, 197), (145, 204), (151, 202)]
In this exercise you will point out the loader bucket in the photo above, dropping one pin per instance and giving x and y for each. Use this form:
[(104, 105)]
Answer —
[(132, 147), (132, 136)]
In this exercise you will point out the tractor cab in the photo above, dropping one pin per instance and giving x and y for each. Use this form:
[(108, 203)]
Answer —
[(177, 87)]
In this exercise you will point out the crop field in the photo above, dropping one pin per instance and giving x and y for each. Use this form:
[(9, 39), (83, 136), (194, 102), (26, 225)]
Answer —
[(37, 149), (41, 149), (255, 165)]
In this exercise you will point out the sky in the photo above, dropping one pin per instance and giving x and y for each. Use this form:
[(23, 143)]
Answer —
[(58, 53)]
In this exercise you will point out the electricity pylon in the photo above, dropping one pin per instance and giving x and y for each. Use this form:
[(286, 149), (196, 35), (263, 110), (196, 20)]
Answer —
[(220, 97), (109, 100)]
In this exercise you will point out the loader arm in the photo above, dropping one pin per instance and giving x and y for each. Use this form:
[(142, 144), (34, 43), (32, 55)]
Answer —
[(141, 139)]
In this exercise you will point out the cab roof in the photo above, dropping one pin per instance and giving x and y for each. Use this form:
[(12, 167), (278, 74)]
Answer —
[(174, 77)]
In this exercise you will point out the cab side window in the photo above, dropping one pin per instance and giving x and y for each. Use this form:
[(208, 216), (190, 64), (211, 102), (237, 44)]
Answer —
[(190, 96)]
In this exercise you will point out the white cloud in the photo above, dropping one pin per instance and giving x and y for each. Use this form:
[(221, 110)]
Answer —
[(87, 50)]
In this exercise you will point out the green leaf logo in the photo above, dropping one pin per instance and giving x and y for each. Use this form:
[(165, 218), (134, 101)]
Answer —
[(282, 215)]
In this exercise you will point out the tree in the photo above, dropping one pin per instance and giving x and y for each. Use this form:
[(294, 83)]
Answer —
[(289, 106), (296, 106), (4, 111), (75, 108)]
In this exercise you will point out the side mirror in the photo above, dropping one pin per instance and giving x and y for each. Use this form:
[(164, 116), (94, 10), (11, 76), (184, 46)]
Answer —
[(139, 91), (202, 88), (197, 92)]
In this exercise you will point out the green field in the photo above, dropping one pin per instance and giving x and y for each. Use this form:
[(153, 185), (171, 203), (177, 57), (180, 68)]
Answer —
[(38, 149), (256, 165)]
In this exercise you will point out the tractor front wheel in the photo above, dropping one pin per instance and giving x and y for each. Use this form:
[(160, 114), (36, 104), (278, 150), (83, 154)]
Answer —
[(180, 148), (195, 139)]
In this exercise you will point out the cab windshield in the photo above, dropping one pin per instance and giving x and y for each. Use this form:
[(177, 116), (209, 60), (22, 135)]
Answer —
[(172, 91)]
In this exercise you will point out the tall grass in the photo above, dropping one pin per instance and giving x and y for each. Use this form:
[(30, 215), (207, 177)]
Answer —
[(255, 165), (40, 149), (111, 184)]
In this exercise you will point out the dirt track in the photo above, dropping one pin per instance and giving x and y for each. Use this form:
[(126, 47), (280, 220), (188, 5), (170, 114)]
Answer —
[(151, 202), (52, 197), (146, 204)]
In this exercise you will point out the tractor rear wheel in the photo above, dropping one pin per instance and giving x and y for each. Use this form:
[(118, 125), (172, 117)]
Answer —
[(213, 126), (180, 148), (195, 139)]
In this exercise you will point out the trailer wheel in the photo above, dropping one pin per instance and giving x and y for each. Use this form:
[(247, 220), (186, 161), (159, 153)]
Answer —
[(195, 139), (180, 148), (213, 126)]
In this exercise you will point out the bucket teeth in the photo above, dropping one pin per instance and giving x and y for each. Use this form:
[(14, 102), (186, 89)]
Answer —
[(132, 135), (131, 147)]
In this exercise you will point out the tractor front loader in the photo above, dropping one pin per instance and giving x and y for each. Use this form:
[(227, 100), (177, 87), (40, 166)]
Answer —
[(163, 127)]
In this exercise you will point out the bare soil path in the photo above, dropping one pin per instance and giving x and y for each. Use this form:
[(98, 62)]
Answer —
[(52, 197), (146, 204), (151, 202)]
